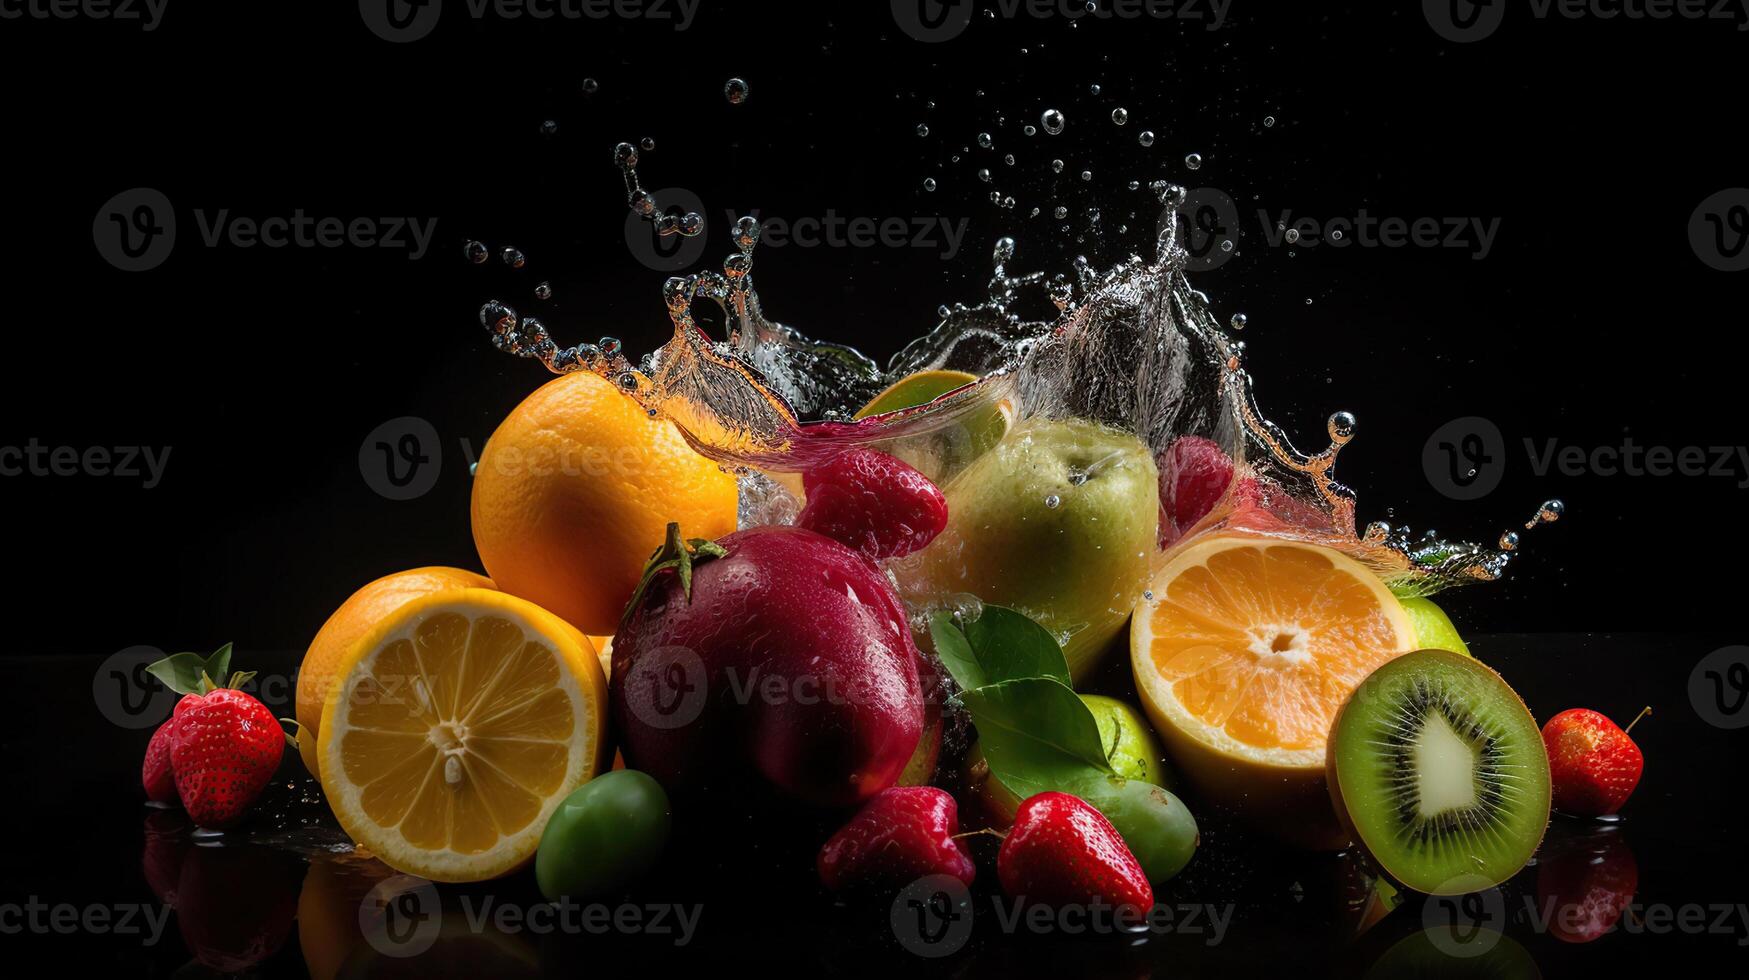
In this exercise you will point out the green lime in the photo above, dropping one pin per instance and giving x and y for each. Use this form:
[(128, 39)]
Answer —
[(603, 836), (1433, 628)]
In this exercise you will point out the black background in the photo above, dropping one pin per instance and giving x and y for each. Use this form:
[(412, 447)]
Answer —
[(1592, 140)]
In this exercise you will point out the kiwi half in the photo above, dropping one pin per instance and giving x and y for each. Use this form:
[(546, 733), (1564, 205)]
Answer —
[(1439, 771)]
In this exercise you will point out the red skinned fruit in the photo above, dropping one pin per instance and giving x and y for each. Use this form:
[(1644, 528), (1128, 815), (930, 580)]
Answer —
[(224, 752), (904, 833), (1587, 886), (1194, 474), (787, 671), (873, 503), (1593, 764), (1062, 852), (155, 772)]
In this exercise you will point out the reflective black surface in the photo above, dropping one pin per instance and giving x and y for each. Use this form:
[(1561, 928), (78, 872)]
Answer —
[(282, 894)]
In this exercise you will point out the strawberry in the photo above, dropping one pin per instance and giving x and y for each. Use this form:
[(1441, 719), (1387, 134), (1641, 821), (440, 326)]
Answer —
[(873, 503), (1593, 764), (1063, 852), (1194, 475), (224, 751), (155, 773), (902, 834)]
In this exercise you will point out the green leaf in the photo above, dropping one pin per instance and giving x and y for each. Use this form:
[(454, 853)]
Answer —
[(955, 652), (1000, 645), (1037, 735), (191, 673), (1010, 646)]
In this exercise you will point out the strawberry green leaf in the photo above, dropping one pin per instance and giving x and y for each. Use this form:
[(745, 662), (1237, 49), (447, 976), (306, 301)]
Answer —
[(191, 673)]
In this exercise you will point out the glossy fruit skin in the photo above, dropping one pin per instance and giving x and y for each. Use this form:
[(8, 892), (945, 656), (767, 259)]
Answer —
[(577, 487), (873, 503), (1587, 885), (791, 674), (1155, 824), (156, 773), (225, 749), (1194, 475), (1433, 628), (1062, 852), (1593, 764), (361, 611), (608, 833), (904, 833)]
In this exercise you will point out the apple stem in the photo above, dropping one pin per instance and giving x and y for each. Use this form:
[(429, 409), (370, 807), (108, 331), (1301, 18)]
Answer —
[(1643, 713)]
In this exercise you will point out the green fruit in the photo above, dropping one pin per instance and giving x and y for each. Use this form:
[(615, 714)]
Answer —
[(943, 451), (1433, 628), (1440, 771), (916, 389), (603, 836), (1131, 746), (1157, 826), (1056, 522)]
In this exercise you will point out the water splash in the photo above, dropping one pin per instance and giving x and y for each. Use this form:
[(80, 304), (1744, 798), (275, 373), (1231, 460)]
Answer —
[(1134, 346)]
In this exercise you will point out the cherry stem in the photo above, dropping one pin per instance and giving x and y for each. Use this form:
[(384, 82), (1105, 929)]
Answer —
[(985, 831), (1643, 713)]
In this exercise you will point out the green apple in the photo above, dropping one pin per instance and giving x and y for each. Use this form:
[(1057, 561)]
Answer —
[(941, 452), (1433, 628), (1056, 521)]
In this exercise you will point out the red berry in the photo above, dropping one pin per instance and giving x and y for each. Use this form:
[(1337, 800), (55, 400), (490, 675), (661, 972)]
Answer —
[(155, 772), (902, 834), (873, 503), (1194, 475), (1593, 764), (1587, 886), (1063, 852), (224, 751)]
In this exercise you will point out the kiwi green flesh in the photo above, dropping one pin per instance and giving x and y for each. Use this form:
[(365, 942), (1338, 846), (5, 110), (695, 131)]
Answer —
[(1441, 773)]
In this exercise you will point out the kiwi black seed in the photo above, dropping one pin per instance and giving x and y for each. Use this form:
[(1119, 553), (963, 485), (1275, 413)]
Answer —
[(1440, 772)]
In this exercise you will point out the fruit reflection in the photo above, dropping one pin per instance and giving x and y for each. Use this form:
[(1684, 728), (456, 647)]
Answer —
[(1585, 884)]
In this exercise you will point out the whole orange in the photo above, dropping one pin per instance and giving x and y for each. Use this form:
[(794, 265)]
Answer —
[(576, 489), (356, 617)]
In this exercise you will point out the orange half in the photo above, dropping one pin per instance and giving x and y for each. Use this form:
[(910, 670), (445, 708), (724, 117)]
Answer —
[(1244, 651)]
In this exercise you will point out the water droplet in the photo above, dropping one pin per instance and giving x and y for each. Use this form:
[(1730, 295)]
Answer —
[(1052, 121), (549, 127), (513, 257), (1292, 235), (475, 252), (929, 183), (985, 141), (736, 91), (1509, 541), (1056, 166), (648, 143), (625, 154), (1145, 137), (497, 317), (1268, 121), (1061, 212), (543, 291), (1086, 175), (1193, 161), (984, 174), (1029, 129), (1094, 88), (1120, 115), (1226, 244), (591, 86), (1008, 159), (1335, 234), (1053, 501), (1341, 427), (922, 129), (1239, 321)]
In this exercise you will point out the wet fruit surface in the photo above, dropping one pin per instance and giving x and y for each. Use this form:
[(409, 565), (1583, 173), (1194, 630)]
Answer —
[(604, 836)]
